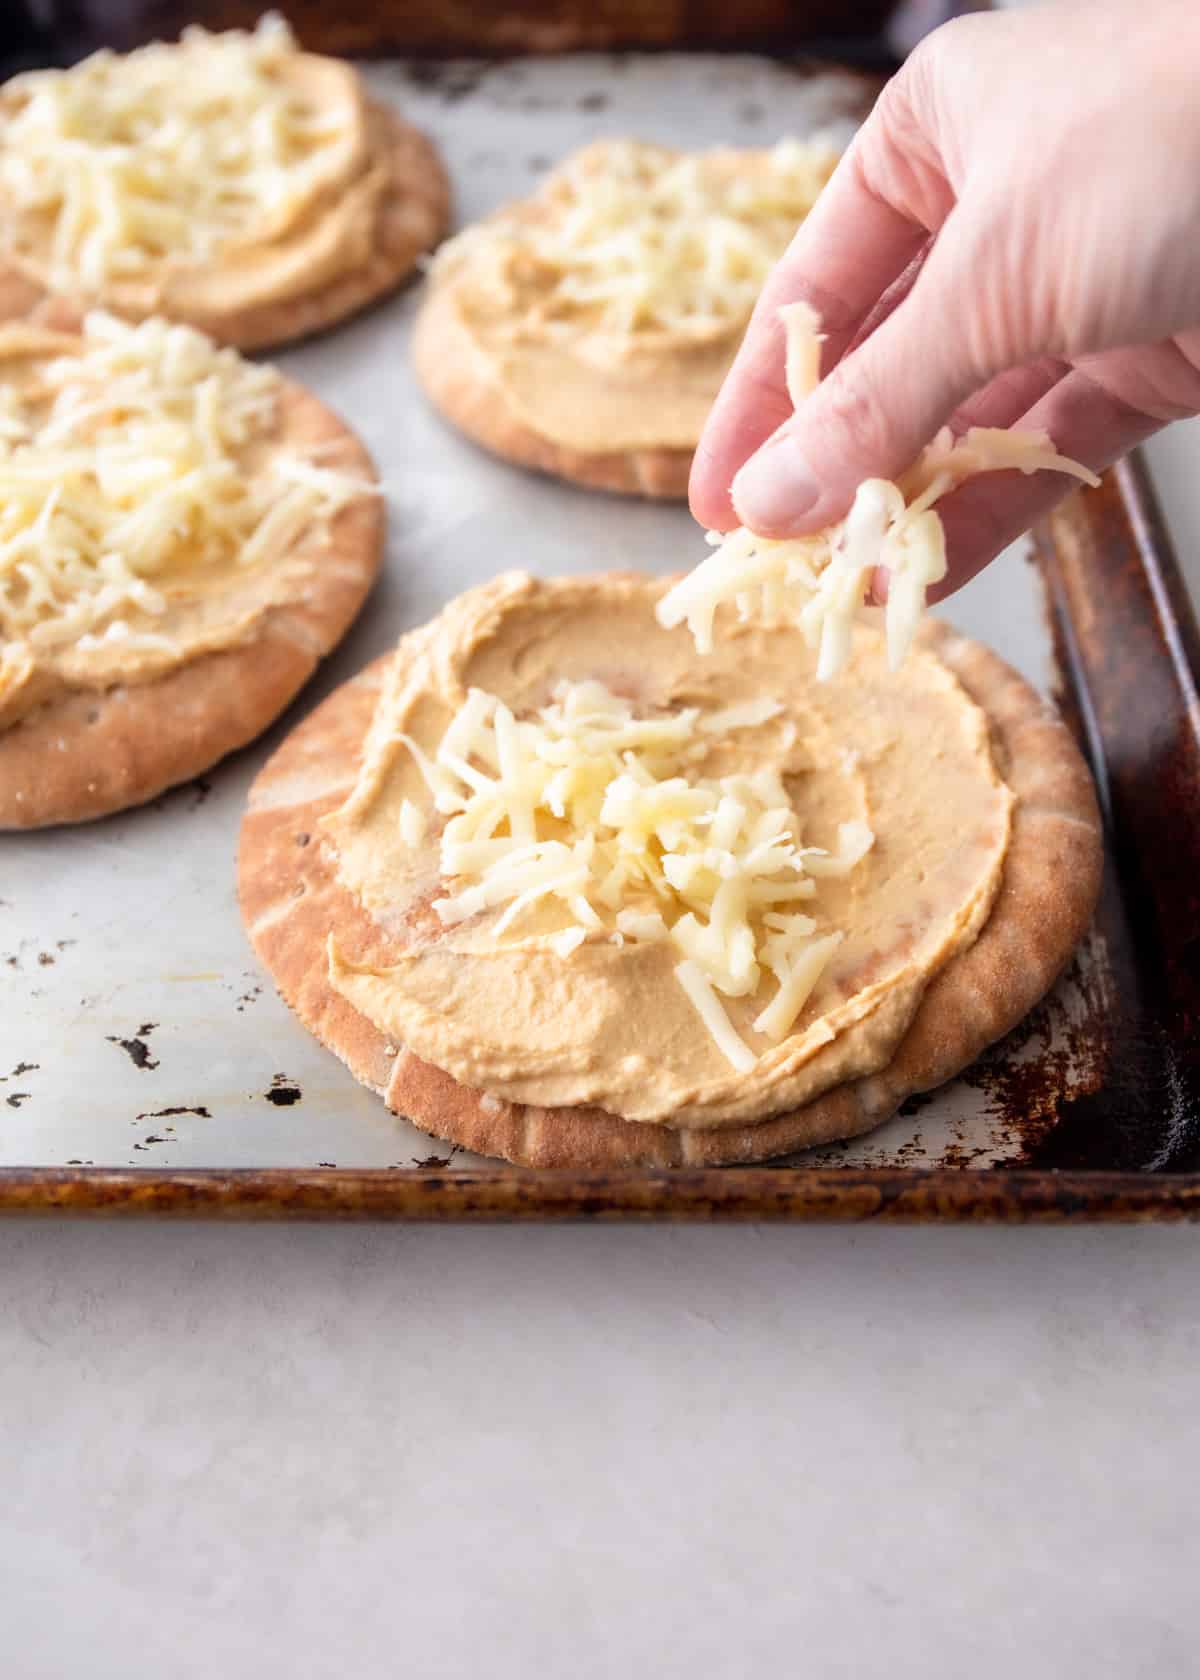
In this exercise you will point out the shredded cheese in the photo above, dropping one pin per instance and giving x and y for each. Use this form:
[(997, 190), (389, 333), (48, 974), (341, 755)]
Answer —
[(169, 151), (123, 472), (584, 806), (820, 581), (628, 237)]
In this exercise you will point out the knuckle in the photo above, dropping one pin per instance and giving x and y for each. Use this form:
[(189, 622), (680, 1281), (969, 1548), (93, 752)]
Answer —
[(1187, 393), (897, 155), (896, 118), (948, 42), (1159, 382)]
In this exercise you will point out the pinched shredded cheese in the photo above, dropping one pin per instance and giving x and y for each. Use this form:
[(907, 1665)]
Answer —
[(588, 805), (627, 237), (172, 150), (122, 469), (820, 581)]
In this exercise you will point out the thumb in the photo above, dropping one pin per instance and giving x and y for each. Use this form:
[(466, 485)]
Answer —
[(876, 410)]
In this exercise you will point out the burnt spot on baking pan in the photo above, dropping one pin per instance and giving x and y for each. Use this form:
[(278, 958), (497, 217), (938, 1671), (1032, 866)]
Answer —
[(136, 1047), (596, 101), (162, 1113), (21, 1067), (283, 1093), (449, 81), (25, 951), (1056, 1058), (432, 1162), (16, 1098)]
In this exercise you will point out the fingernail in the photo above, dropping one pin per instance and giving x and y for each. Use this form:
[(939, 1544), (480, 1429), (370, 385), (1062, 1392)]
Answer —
[(775, 489)]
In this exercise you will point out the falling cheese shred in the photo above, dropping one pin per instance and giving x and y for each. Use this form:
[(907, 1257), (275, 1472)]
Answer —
[(628, 237), (586, 810), (172, 150), (123, 474), (820, 582)]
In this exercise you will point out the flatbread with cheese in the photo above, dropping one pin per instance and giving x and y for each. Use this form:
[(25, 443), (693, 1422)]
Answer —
[(586, 331), (229, 181), (566, 892), (183, 535)]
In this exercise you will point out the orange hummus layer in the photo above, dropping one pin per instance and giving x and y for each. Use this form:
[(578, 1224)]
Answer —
[(606, 309), (608, 1024)]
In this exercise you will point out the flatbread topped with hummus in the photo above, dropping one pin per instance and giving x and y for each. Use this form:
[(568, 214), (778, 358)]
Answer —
[(229, 181), (586, 331), (183, 535), (565, 892)]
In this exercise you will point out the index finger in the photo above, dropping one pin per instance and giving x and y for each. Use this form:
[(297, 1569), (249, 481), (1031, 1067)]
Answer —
[(849, 250)]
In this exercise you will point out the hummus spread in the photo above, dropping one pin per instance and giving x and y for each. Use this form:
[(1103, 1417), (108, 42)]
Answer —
[(608, 307), (156, 499), (194, 180), (528, 1007)]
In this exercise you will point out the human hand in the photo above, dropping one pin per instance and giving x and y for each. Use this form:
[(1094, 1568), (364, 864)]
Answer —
[(1013, 239)]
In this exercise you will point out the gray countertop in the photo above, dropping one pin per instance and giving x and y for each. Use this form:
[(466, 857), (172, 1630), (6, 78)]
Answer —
[(587, 1452)]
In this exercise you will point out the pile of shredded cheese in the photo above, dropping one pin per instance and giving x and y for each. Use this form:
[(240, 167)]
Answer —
[(122, 468), (585, 804), (820, 581), (166, 151), (628, 237)]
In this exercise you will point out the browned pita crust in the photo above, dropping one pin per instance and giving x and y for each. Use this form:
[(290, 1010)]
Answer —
[(90, 752), (291, 899), (412, 217), (459, 383)]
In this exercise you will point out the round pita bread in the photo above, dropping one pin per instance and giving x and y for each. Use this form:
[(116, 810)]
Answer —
[(91, 752), (412, 216), (458, 381), (291, 900)]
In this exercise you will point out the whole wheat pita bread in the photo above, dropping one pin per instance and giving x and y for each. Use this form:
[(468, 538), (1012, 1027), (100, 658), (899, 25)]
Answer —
[(291, 900), (412, 215), (91, 751)]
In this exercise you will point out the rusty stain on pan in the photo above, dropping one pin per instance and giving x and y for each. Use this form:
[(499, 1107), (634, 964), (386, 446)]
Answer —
[(892, 1195)]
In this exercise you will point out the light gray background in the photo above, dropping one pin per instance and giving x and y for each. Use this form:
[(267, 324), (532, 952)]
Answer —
[(663, 1452), (674, 1453)]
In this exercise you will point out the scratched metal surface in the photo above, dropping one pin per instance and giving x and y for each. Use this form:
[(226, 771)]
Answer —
[(135, 1026)]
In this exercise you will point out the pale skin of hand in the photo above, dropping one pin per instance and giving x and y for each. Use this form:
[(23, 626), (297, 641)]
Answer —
[(1012, 239)]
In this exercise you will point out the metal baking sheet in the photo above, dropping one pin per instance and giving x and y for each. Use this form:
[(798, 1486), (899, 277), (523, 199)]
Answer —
[(136, 1028)]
